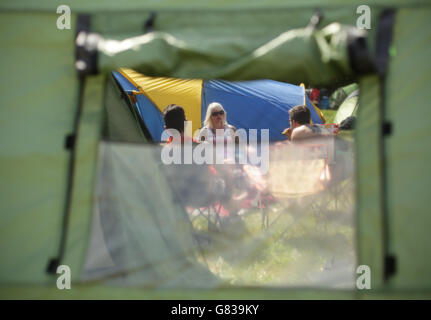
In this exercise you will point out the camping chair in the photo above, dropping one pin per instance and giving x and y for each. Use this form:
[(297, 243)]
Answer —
[(193, 187), (315, 158), (300, 176), (205, 191), (262, 197)]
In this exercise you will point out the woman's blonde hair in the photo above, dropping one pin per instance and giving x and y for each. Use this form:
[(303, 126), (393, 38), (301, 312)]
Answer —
[(214, 105)]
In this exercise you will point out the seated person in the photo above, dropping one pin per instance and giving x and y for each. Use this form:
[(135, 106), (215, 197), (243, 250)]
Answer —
[(216, 119), (174, 117), (189, 183), (200, 185), (301, 127), (323, 136)]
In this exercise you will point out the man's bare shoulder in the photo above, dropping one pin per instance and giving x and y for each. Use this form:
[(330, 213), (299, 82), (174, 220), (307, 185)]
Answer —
[(302, 132)]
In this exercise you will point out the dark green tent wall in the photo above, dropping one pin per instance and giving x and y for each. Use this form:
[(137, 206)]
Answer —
[(235, 41)]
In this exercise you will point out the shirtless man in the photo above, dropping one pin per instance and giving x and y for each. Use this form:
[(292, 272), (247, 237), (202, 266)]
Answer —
[(300, 127)]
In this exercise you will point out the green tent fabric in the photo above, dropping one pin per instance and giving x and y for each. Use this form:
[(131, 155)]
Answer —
[(235, 40), (348, 107), (339, 95), (255, 57), (144, 228)]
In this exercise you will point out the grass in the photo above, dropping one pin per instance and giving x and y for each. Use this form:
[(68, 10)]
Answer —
[(329, 115), (299, 247), (309, 241)]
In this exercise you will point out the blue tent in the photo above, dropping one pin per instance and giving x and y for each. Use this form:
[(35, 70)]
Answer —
[(257, 104)]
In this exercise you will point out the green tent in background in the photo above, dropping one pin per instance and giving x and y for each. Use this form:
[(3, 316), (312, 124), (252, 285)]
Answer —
[(57, 99), (349, 107), (341, 94)]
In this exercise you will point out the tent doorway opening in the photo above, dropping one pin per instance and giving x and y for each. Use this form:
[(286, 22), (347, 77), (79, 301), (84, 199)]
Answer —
[(208, 226)]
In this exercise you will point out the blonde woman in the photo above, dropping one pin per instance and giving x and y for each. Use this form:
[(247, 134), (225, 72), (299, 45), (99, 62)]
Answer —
[(216, 119)]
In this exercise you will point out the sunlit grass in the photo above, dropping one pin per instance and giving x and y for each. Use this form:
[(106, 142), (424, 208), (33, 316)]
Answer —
[(305, 240), (329, 115), (301, 241)]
